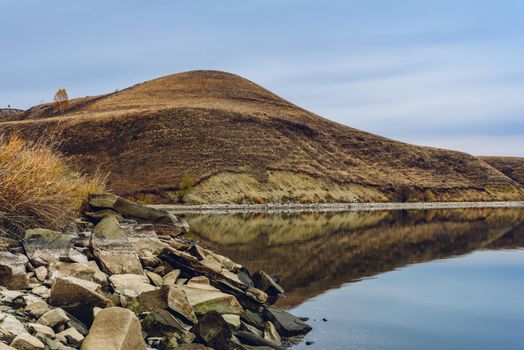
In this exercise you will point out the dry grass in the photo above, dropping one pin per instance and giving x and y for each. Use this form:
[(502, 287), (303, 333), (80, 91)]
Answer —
[(207, 123), (38, 187)]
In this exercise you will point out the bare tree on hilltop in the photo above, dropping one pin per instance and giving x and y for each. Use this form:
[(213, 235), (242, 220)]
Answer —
[(61, 100)]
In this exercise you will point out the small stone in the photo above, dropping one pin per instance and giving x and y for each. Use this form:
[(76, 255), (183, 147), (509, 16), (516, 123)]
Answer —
[(155, 278), (26, 341), (271, 334), (41, 273), (41, 329), (41, 291), (37, 308), (130, 285), (53, 318), (232, 320), (71, 337), (171, 277), (310, 342), (12, 270)]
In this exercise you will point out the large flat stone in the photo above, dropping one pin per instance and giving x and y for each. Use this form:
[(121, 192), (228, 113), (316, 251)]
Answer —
[(115, 329), (44, 246), (12, 270), (130, 285), (129, 209), (113, 249), (88, 271)]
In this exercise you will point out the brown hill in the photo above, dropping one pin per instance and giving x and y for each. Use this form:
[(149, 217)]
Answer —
[(240, 142), (512, 167)]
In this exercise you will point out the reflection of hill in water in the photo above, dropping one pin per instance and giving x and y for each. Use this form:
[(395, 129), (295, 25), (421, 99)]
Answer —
[(315, 252)]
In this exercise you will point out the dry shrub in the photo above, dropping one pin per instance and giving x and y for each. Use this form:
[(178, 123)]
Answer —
[(38, 187)]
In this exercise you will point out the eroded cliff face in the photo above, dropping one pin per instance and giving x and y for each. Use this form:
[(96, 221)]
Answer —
[(242, 143), (315, 252)]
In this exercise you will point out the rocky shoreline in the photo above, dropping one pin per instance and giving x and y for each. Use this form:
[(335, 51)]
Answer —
[(327, 207), (124, 277)]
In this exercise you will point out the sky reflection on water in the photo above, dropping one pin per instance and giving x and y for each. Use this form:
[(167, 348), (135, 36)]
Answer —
[(430, 279)]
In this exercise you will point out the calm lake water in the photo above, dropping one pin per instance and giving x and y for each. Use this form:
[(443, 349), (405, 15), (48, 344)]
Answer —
[(420, 279)]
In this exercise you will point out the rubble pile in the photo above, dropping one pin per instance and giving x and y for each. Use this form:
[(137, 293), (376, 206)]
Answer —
[(125, 278)]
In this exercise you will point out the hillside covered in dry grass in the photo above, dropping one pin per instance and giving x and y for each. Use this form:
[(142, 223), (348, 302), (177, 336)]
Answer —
[(512, 167), (242, 143)]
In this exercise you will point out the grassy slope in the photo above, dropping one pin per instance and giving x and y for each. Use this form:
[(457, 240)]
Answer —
[(208, 124), (512, 167)]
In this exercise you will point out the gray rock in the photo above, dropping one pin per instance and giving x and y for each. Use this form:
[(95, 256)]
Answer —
[(12, 270), (285, 323), (26, 341)]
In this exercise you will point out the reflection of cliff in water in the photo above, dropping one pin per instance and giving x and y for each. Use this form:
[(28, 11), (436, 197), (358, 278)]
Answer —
[(315, 252)]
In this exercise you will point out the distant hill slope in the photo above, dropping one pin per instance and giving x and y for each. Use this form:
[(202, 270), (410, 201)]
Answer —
[(512, 167), (242, 143), (10, 113)]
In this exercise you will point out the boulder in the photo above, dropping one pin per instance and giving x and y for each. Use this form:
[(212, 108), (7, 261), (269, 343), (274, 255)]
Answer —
[(130, 285), (129, 209), (44, 246), (115, 328), (12, 270), (26, 341), (7, 347), (285, 323), (213, 331), (77, 296), (113, 250)]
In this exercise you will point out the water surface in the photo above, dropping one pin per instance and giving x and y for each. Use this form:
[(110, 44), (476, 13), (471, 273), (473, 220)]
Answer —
[(421, 279)]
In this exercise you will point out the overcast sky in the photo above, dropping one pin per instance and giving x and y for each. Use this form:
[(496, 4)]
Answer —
[(445, 73)]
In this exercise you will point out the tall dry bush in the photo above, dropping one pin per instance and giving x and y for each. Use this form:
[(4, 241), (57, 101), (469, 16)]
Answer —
[(38, 187)]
